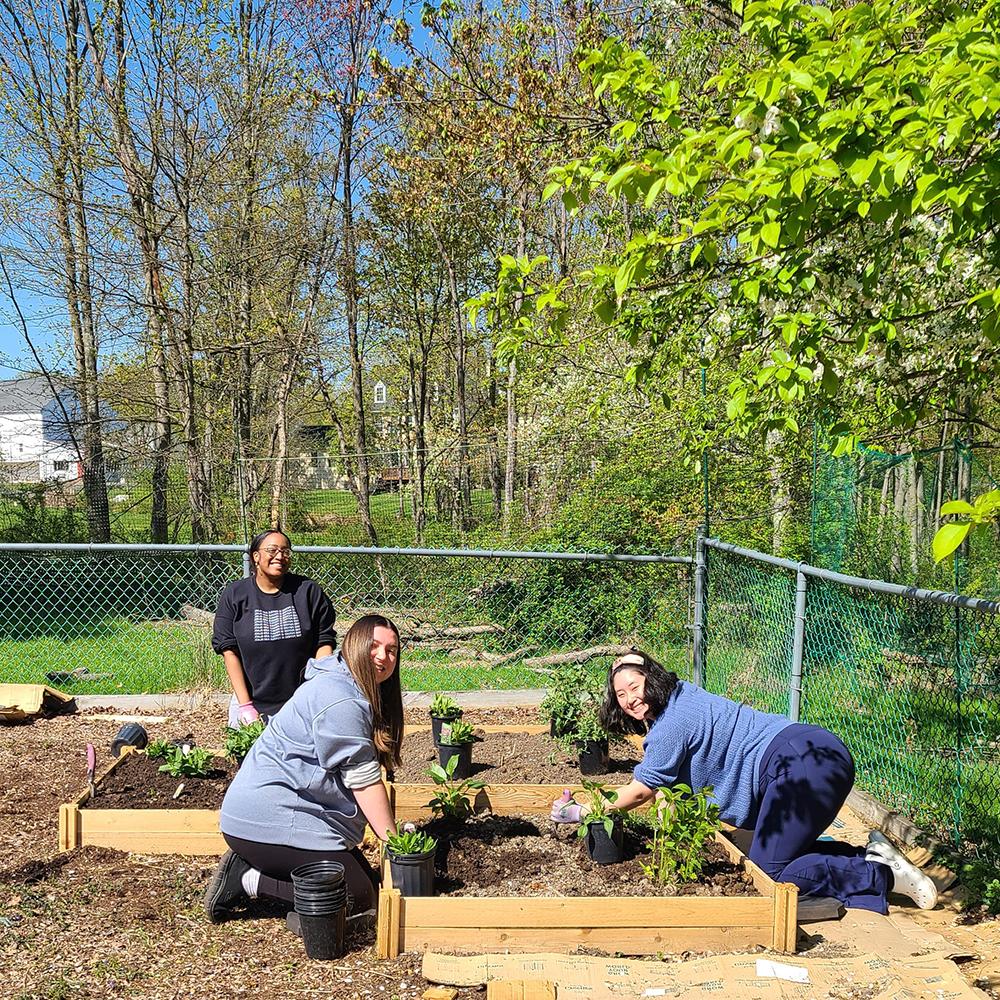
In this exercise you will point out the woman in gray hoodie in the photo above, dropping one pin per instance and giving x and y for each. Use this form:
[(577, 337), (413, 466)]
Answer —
[(313, 778)]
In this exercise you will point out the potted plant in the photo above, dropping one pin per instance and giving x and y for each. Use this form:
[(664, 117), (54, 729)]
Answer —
[(602, 828), (456, 744), (443, 709), (411, 861), (590, 741), (573, 686)]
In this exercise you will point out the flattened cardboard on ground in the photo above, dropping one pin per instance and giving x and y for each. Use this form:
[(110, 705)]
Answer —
[(19, 701), (929, 977)]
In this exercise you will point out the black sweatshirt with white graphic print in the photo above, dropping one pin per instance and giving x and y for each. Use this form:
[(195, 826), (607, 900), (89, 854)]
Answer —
[(274, 635)]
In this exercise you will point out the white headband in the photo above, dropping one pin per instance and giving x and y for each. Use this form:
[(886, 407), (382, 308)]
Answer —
[(629, 660)]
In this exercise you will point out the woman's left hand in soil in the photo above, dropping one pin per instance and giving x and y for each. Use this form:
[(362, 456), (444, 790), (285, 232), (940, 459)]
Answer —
[(565, 810)]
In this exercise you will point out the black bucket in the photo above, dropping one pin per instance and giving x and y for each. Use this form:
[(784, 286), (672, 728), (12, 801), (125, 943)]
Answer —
[(602, 849), (593, 756), (436, 722), (320, 892), (464, 754), (413, 874), (130, 735)]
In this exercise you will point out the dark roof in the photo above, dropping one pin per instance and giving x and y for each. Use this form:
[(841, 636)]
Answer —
[(26, 395)]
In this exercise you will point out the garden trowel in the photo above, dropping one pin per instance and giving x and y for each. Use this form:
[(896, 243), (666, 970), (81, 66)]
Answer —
[(91, 768)]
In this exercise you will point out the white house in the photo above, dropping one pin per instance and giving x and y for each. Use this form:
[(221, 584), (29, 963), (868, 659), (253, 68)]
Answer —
[(36, 443)]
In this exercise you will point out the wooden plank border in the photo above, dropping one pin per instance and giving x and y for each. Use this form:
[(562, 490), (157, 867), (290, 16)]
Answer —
[(636, 925)]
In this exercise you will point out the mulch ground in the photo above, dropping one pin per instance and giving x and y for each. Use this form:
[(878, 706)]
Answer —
[(517, 758), (96, 924), (529, 856)]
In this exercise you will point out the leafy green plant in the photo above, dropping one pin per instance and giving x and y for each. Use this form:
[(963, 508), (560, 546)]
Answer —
[(457, 734), (682, 821), (978, 876), (444, 707), (158, 748), (410, 842), (600, 805), (586, 728), (193, 764), (453, 799), (573, 687), (238, 741)]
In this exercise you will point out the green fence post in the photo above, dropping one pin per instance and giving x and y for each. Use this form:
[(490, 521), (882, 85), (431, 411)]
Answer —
[(798, 647), (700, 583)]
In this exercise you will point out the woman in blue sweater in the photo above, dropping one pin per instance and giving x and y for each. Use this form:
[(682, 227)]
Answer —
[(314, 777), (783, 780)]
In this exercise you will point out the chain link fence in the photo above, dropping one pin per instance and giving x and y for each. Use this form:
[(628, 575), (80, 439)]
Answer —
[(137, 619), (909, 679)]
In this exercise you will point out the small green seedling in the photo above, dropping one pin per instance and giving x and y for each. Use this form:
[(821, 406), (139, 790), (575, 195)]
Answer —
[(682, 821), (410, 842), (457, 733), (239, 741), (453, 799), (443, 707), (158, 748), (193, 764), (601, 810)]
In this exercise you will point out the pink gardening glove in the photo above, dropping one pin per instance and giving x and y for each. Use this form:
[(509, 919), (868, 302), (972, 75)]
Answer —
[(565, 810), (247, 714)]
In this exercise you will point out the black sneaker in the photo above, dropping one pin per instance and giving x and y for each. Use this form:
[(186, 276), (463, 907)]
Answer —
[(225, 891)]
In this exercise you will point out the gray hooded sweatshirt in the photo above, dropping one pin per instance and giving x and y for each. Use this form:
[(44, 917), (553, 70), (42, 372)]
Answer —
[(294, 788)]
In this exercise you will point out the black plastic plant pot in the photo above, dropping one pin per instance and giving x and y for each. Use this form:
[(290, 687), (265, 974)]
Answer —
[(323, 936), (463, 751), (593, 756), (558, 727), (130, 735), (603, 849), (413, 874), (438, 720)]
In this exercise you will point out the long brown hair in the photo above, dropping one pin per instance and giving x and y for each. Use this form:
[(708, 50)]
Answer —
[(385, 697)]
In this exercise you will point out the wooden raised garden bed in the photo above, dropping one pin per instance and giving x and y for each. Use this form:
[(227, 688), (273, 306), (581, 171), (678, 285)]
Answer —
[(634, 925), (196, 831), (146, 831)]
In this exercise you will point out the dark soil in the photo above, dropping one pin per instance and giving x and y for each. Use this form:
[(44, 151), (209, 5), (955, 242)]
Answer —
[(516, 759), (138, 783), (531, 856)]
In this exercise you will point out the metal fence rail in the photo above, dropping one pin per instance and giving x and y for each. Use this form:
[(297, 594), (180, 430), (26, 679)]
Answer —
[(137, 618), (909, 678)]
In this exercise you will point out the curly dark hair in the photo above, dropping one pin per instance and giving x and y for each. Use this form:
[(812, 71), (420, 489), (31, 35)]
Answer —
[(660, 685)]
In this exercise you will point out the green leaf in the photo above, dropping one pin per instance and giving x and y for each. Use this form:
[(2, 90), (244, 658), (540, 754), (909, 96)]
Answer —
[(957, 507), (770, 233), (948, 538), (550, 189)]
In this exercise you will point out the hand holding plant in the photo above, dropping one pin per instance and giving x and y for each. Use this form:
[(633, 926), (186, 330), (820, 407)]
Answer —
[(599, 809), (565, 810)]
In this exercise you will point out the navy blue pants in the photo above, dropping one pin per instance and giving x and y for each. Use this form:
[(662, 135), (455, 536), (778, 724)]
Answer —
[(805, 775)]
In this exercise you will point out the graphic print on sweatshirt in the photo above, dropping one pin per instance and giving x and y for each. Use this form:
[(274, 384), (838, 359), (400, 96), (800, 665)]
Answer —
[(270, 626)]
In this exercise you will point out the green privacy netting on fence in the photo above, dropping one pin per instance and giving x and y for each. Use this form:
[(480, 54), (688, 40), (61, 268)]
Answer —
[(911, 684), (115, 619)]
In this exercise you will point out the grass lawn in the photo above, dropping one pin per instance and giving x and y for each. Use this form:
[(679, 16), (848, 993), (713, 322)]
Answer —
[(152, 658)]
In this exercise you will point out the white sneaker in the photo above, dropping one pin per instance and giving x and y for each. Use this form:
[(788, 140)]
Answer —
[(907, 878)]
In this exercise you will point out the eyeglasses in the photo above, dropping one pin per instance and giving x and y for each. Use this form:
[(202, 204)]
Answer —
[(277, 550)]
